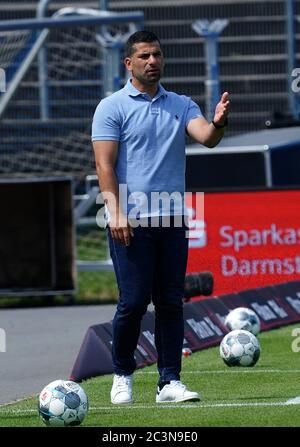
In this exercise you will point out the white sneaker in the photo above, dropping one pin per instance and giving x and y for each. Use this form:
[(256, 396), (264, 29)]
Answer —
[(121, 392), (175, 391)]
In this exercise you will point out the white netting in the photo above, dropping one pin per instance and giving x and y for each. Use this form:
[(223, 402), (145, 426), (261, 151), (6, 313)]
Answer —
[(253, 68), (11, 43), (59, 155), (74, 73), (72, 53)]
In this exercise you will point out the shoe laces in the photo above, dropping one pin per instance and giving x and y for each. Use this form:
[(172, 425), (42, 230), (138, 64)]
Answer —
[(123, 382), (177, 384)]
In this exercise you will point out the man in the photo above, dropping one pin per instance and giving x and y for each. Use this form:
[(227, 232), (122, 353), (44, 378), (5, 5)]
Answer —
[(138, 136)]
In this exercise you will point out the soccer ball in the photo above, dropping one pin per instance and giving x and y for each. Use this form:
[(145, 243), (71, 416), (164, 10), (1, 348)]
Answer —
[(240, 348), (186, 352), (63, 403), (243, 318)]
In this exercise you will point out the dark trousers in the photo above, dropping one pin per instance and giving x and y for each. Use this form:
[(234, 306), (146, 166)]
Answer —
[(152, 267)]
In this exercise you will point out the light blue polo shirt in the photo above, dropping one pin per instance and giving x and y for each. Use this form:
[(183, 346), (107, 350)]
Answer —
[(151, 155)]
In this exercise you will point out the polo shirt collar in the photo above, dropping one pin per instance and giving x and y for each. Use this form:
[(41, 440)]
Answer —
[(132, 91)]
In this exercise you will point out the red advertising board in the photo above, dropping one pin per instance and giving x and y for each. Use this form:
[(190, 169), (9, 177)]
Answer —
[(247, 239)]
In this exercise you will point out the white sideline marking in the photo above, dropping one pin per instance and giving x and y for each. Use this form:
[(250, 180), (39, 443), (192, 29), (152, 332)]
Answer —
[(174, 406), (295, 401), (239, 370)]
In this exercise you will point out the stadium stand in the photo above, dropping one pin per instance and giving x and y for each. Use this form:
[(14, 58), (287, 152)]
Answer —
[(253, 67)]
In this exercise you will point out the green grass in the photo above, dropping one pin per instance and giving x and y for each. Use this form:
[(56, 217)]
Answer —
[(235, 397), (94, 286)]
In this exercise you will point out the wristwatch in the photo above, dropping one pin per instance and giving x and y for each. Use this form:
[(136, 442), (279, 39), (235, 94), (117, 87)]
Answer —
[(220, 126)]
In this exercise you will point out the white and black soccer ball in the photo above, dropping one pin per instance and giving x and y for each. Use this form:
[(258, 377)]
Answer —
[(62, 403), (243, 318), (240, 348)]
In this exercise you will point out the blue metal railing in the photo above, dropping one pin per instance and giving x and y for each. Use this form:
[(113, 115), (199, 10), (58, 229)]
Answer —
[(107, 18), (45, 24)]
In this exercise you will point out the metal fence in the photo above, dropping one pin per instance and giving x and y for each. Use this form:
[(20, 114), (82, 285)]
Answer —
[(45, 124), (254, 66), (46, 120), (253, 52)]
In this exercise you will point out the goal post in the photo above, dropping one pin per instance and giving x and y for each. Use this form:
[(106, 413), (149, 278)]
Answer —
[(75, 80), (19, 33)]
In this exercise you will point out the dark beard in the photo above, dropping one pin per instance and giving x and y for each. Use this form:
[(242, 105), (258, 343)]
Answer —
[(149, 79)]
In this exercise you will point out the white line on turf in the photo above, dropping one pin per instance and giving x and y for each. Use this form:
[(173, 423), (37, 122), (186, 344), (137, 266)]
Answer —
[(174, 406), (295, 401), (232, 371), (229, 371)]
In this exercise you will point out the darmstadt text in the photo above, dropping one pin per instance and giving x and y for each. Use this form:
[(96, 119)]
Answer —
[(240, 239)]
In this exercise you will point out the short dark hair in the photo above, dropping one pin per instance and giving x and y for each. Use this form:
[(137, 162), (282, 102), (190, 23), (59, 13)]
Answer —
[(139, 37)]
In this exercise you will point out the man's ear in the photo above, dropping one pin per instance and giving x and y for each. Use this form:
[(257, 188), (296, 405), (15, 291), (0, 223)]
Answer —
[(127, 63)]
